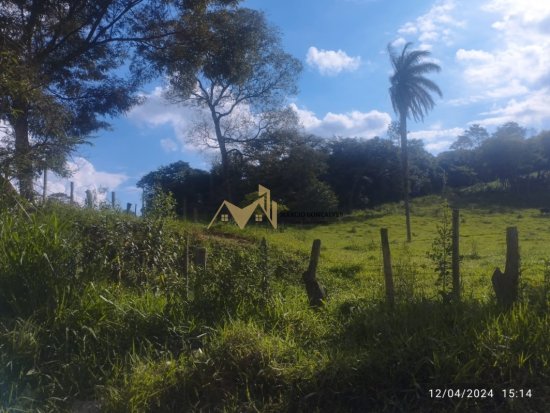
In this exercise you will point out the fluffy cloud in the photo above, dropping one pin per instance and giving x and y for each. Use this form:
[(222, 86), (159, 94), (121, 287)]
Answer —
[(330, 62), (399, 42), (533, 110), (156, 111), (434, 26), (351, 124), (517, 69), (436, 139), (85, 176)]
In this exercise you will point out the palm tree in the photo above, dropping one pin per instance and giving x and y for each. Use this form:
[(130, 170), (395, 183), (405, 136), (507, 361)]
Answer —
[(410, 95)]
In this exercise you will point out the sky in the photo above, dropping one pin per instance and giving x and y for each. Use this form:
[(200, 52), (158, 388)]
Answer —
[(494, 55)]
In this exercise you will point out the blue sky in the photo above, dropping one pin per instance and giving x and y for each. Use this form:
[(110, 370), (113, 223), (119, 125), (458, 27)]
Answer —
[(494, 54)]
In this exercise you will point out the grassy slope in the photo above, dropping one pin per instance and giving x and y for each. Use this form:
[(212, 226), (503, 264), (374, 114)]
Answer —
[(144, 347)]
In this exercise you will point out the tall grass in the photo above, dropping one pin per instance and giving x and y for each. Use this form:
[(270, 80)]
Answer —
[(94, 306)]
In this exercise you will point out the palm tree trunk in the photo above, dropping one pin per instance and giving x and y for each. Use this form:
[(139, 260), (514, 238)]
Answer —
[(405, 172)]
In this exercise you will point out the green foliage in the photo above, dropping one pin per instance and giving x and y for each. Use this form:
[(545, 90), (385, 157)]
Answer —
[(161, 205), (442, 248), (129, 250), (240, 56), (38, 258), (190, 187), (144, 346), (232, 281)]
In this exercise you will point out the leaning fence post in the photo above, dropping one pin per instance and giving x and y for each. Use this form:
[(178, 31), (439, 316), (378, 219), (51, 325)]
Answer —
[(315, 292), (506, 284), (456, 256), (388, 272)]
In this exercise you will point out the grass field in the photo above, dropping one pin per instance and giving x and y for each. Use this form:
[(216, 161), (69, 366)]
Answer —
[(110, 322)]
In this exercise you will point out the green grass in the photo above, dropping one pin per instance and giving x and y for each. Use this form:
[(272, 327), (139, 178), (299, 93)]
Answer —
[(118, 325)]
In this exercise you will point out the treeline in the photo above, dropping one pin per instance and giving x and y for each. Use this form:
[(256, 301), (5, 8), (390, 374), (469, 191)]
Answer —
[(308, 173)]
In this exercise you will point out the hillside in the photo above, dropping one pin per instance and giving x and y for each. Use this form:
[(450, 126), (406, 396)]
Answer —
[(97, 310)]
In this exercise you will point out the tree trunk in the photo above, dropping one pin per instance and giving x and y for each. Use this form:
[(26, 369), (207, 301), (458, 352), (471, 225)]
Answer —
[(224, 156), (405, 172), (23, 162)]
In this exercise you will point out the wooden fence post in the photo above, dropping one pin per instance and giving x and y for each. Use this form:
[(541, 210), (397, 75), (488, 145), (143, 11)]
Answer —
[(195, 214), (506, 284), (200, 257), (128, 207), (456, 256), (388, 272), (113, 199), (89, 199), (315, 292), (72, 193)]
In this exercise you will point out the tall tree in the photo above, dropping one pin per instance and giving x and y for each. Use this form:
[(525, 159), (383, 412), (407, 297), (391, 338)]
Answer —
[(189, 186), (243, 81), (410, 94), (68, 58)]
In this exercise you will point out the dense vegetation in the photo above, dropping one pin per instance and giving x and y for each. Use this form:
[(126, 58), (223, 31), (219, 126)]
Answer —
[(95, 309), (354, 173)]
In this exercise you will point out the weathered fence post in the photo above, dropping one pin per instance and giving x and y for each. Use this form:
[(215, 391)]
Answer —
[(456, 256), (200, 257), (128, 207), (388, 272), (113, 199), (315, 292), (506, 284), (89, 199), (72, 193), (264, 267)]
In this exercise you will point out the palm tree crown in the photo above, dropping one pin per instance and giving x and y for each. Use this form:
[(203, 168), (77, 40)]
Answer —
[(410, 90)]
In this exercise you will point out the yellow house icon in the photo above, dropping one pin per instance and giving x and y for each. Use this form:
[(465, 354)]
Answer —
[(243, 215)]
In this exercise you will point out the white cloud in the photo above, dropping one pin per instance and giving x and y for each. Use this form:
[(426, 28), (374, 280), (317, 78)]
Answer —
[(533, 110), (434, 26), (330, 62), (351, 124), (169, 145), (478, 55), (399, 42), (436, 139), (156, 111), (516, 69), (85, 176)]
